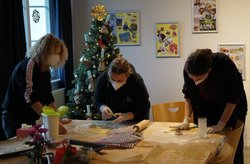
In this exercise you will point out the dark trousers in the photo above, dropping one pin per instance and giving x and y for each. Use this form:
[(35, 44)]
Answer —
[(9, 125), (12, 121), (239, 154), (2, 133)]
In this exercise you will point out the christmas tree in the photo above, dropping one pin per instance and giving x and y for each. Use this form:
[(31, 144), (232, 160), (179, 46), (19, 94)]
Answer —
[(94, 59)]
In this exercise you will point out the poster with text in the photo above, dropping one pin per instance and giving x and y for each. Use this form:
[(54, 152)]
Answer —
[(236, 52)]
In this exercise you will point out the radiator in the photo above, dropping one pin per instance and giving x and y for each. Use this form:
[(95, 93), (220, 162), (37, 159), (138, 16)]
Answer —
[(59, 96)]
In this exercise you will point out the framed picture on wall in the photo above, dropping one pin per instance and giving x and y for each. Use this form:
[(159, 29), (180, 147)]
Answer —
[(167, 40), (236, 51), (204, 16), (126, 27)]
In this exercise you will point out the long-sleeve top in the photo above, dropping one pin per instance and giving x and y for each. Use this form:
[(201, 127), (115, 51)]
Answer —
[(27, 85), (131, 97), (223, 85)]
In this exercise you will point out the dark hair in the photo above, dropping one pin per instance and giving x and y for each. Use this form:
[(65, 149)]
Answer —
[(119, 66), (199, 62)]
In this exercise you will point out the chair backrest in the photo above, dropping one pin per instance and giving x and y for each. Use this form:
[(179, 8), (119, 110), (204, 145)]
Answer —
[(225, 156), (171, 111), (233, 136)]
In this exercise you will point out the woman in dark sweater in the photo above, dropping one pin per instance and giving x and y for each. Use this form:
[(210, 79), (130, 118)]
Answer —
[(213, 88), (29, 88), (121, 93)]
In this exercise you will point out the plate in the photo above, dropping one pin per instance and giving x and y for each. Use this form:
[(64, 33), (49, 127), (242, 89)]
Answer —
[(96, 147)]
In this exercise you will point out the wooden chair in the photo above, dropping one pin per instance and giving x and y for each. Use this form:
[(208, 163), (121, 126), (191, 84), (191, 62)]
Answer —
[(225, 156), (171, 111), (233, 136)]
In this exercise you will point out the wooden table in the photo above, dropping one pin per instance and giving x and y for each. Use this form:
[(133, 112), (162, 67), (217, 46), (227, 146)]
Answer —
[(160, 144)]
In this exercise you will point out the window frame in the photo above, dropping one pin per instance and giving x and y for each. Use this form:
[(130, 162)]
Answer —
[(56, 83)]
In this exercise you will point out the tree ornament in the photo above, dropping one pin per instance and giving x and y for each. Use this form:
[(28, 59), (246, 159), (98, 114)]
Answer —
[(87, 63), (77, 99), (91, 85), (82, 59), (107, 19), (88, 113), (99, 12), (104, 29), (102, 53), (100, 42), (102, 66), (86, 38)]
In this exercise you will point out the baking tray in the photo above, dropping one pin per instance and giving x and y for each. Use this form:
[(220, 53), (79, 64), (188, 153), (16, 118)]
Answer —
[(13, 146)]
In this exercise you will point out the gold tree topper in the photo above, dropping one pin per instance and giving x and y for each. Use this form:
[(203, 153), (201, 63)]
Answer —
[(99, 12)]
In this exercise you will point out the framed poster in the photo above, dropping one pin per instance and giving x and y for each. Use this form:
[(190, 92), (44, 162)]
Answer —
[(167, 40), (204, 16), (126, 27), (236, 51)]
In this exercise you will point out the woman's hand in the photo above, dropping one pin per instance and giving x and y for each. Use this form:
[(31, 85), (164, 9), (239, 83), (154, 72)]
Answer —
[(121, 117), (106, 113), (62, 129), (65, 120)]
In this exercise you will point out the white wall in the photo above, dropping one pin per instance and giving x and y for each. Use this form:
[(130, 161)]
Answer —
[(163, 76)]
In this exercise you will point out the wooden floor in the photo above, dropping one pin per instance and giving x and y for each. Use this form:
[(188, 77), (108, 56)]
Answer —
[(247, 155)]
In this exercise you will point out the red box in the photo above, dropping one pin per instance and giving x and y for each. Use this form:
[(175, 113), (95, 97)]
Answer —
[(24, 132)]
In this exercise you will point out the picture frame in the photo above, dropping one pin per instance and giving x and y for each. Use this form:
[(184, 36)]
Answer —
[(205, 16), (167, 39), (126, 26), (236, 52)]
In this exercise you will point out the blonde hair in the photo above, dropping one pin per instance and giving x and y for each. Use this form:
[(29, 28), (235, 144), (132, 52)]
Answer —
[(120, 66), (43, 48)]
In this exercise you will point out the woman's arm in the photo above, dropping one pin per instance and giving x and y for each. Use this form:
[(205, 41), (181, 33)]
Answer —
[(228, 110), (37, 107), (188, 108)]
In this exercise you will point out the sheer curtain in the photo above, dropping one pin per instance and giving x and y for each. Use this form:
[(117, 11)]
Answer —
[(12, 43)]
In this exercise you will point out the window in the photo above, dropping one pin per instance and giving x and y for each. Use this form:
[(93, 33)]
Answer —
[(37, 23)]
